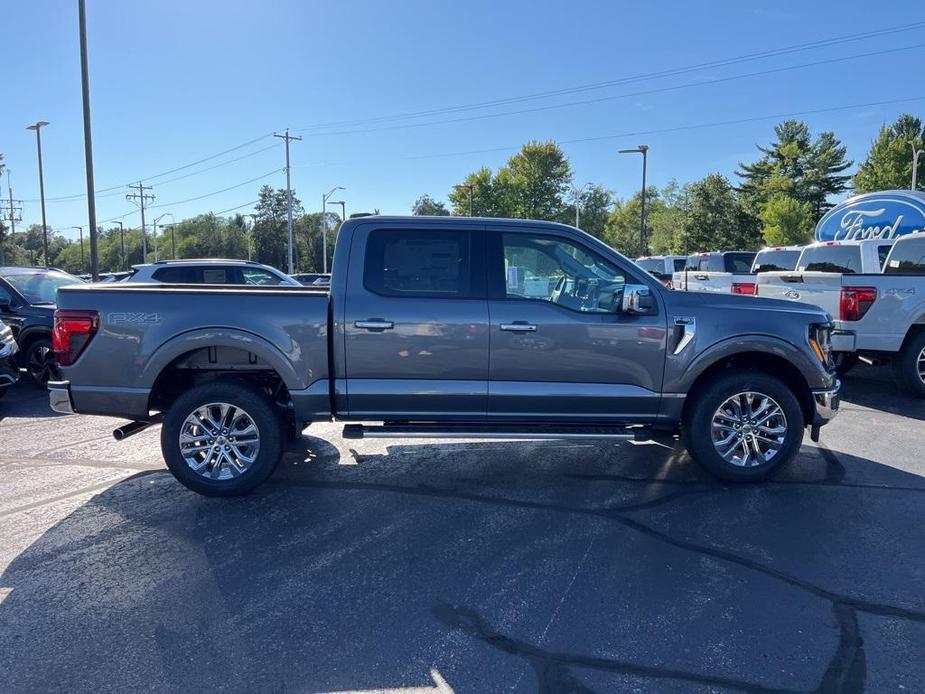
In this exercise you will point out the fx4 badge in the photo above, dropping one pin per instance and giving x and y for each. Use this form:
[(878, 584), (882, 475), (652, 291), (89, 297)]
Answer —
[(792, 294), (135, 318)]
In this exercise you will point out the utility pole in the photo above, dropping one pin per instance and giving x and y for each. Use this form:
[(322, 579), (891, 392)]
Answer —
[(122, 241), (37, 127), (324, 226), (287, 137), (140, 198), (14, 215), (88, 140)]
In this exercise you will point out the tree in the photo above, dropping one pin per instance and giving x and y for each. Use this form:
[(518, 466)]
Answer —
[(888, 165), (594, 206), (532, 185), (270, 225), (666, 223), (813, 168), (715, 219), (622, 228), (426, 205), (787, 221)]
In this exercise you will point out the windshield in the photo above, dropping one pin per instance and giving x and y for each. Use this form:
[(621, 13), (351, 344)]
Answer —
[(844, 259), (40, 287), (776, 261)]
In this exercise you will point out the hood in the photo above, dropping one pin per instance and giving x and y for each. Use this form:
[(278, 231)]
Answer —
[(738, 302)]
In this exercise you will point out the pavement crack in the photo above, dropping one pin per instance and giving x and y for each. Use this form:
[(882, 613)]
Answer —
[(847, 671), (554, 668)]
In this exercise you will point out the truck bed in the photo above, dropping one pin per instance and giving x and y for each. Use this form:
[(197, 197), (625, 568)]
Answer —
[(144, 328)]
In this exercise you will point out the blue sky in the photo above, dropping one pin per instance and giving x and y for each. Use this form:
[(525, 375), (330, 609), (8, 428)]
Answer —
[(176, 81)]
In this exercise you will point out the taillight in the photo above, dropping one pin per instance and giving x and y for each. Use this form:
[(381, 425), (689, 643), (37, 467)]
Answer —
[(72, 332), (749, 288), (855, 301)]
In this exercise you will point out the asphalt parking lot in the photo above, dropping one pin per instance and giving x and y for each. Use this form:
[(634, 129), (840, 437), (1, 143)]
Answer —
[(466, 567)]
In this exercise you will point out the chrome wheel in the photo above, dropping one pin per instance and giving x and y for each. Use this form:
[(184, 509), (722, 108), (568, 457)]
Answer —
[(920, 365), (219, 441), (748, 429)]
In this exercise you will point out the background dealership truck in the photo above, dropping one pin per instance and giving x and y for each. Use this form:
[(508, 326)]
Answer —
[(879, 315), (447, 327), (723, 273)]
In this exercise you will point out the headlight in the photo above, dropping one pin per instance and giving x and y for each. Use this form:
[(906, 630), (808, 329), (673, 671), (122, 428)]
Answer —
[(820, 339)]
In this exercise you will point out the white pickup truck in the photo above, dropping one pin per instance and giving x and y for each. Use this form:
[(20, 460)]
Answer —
[(776, 259), (879, 315), (662, 267), (727, 272)]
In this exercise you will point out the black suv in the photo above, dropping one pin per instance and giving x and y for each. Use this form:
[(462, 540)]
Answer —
[(27, 305)]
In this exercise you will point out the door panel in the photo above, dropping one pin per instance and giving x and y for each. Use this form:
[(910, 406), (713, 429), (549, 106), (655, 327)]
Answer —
[(416, 325), (581, 357)]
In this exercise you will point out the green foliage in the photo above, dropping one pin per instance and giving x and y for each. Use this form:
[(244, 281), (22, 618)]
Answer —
[(532, 185), (715, 218), (594, 205), (810, 170), (622, 230), (888, 164), (786, 221), (426, 205)]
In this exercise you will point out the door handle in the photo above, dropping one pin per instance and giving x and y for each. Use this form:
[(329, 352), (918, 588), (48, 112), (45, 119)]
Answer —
[(374, 324), (518, 327), (701, 277)]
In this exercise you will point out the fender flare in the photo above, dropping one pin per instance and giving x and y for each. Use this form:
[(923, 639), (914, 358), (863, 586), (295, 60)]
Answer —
[(202, 338), (812, 373)]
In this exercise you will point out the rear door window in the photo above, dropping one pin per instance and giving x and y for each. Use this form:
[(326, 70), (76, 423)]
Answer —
[(679, 264), (844, 259), (420, 263), (908, 258)]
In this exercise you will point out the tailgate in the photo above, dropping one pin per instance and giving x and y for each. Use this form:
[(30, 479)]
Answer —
[(822, 289)]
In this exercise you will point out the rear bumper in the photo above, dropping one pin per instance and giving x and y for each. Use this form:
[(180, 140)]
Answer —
[(59, 397), (826, 403), (843, 341)]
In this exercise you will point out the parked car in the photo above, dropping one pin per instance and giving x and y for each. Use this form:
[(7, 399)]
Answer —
[(209, 271), (9, 372), (312, 279), (27, 305), (662, 267), (776, 259), (431, 330), (724, 272), (879, 316)]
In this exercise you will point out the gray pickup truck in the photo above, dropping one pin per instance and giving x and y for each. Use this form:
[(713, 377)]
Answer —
[(447, 327)]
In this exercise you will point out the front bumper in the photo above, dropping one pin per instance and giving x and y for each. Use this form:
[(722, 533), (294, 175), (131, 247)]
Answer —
[(826, 403), (59, 397)]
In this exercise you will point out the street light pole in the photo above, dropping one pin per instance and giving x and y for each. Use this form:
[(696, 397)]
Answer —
[(643, 150), (324, 227), (122, 241), (916, 153), (88, 141), (37, 127), (154, 227)]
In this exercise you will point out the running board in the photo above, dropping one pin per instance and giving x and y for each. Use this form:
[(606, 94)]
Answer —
[(500, 431)]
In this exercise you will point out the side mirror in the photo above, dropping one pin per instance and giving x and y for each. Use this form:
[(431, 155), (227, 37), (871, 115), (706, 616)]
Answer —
[(637, 300)]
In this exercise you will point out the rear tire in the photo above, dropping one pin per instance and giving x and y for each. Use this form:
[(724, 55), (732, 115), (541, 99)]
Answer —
[(909, 366), (743, 425), (232, 438), (39, 360)]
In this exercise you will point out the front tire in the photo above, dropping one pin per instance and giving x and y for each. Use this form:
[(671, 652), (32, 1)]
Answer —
[(844, 361), (743, 425), (909, 366), (222, 439)]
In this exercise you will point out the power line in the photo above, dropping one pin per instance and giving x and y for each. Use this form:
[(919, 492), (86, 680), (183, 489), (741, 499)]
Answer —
[(634, 133), (119, 188), (626, 95), (215, 192), (822, 43)]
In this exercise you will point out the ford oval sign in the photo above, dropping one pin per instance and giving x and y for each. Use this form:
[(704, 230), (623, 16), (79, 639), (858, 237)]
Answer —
[(883, 215)]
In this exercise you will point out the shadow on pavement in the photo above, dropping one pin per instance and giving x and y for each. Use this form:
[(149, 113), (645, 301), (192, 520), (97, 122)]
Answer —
[(503, 567), (873, 387), (25, 399)]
